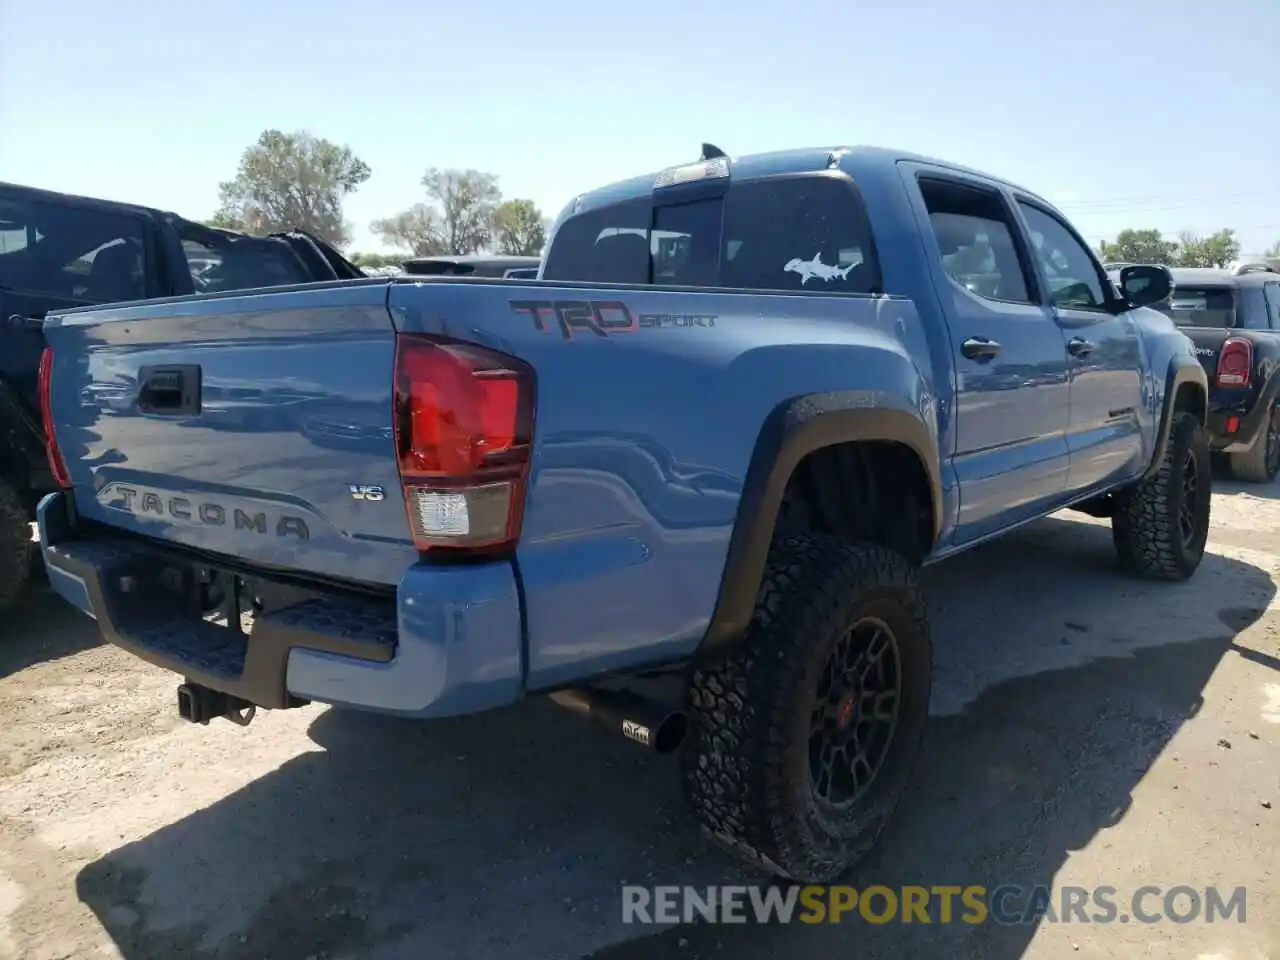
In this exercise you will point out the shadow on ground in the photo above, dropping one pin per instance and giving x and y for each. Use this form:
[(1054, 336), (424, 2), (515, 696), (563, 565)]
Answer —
[(43, 626), (509, 834), (1225, 482)]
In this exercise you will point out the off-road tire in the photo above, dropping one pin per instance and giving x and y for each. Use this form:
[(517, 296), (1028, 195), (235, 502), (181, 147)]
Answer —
[(1262, 463), (15, 545), (745, 761), (1145, 526)]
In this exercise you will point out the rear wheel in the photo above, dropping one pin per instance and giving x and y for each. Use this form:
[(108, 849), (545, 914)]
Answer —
[(1262, 463), (802, 739), (1161, 525), (16, 549)]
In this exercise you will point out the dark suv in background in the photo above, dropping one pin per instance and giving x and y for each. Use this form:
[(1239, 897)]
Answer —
[(474, 265), (59, 251), (1233, 317)]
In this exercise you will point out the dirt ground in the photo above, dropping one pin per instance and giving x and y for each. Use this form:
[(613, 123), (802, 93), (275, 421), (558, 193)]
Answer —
[(1089, 729)]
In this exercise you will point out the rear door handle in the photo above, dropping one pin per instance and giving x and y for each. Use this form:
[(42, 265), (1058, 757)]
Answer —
[(1080, 348), (980, 348)]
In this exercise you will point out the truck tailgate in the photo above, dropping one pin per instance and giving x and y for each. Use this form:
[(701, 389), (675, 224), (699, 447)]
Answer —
[(1208, 343), (256, 426)]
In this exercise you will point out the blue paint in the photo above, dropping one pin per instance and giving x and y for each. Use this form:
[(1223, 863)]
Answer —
[(459, 650), (68, 586), (641, 446), (296, 405)]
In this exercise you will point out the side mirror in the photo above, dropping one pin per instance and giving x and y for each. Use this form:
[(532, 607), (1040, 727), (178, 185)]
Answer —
[(1146, 284)]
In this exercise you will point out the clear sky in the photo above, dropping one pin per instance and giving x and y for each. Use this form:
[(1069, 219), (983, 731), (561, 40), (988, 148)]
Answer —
[(1125, 113)]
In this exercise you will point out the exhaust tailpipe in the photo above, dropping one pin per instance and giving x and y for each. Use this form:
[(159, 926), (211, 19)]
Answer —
[(650, 723)]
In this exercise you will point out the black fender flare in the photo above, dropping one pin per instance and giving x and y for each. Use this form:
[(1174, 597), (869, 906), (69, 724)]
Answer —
[(794, 429), (1183, 369)]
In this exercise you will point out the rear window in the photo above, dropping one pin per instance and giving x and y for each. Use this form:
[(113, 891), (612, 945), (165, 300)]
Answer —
[(605, 245), (451, 268), (71, 252), (1201, 307), (781, 233), (436, 268)]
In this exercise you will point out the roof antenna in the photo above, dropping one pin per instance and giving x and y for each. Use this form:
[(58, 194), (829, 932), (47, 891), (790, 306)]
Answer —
[(711, 152)]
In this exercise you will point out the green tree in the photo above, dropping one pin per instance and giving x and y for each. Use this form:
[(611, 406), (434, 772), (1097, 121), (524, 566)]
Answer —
[(293, 181), (456, 218), (417, 230), (376, 260), (224, 220), (1272, 256), (467, 200), (1216, 250), (1139, 246), (519, 228)]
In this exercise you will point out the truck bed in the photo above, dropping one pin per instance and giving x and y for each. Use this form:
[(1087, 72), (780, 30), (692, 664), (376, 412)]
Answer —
[(647, 416)]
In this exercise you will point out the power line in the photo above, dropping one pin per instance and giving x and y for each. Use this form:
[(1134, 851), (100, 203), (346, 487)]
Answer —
[(1173, 206), (1161, 199), (1245, 228)]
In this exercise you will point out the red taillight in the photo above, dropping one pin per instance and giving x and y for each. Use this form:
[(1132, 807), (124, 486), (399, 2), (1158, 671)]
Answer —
[(1235, 363), (463, 428), (56, 466)]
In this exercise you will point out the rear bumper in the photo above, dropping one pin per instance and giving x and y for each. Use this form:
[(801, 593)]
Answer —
[(450, 642), (1250, 424)]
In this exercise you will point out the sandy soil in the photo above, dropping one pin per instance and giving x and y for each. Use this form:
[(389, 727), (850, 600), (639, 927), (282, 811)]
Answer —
[(1089, 729)]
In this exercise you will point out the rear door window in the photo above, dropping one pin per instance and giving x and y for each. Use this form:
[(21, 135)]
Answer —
[(780, 233), (975, 235), (799, 233), (71, 252)]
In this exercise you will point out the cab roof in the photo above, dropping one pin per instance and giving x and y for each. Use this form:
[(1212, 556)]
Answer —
[(851, 159), (40, 194), (1214, 277)]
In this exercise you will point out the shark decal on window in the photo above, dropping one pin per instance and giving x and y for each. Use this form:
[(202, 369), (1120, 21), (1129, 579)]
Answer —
[(809, 269)]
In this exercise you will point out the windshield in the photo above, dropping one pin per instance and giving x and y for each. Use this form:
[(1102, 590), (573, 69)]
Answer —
[(1201, 307)]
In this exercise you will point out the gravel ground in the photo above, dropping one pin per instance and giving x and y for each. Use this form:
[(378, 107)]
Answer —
[(1089, 729)]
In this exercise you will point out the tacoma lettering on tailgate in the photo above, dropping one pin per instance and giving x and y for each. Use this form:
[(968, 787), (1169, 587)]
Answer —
[(142, 502)]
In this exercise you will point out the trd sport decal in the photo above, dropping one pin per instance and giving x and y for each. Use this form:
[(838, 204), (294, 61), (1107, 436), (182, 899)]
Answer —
[(604, 318)]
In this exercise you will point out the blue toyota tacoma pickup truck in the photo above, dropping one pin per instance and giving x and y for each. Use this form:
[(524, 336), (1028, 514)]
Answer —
[(706, 451)]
